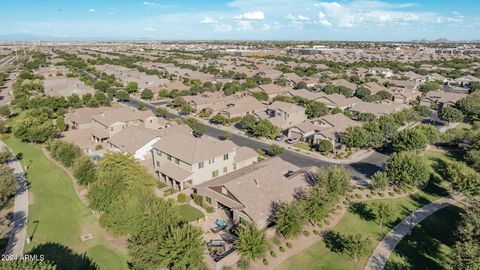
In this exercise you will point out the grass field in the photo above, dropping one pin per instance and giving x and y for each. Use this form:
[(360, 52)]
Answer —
[(57, 217), (319, 256), (429, 244), (303, 146), (189, 213)]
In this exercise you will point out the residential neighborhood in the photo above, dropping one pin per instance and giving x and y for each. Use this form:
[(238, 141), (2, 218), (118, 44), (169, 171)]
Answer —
[(240, 135)]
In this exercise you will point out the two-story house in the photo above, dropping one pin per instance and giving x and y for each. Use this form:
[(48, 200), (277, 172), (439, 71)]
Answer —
[(182, 160), (283, 114)]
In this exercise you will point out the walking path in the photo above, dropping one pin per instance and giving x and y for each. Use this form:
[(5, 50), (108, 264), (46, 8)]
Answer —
[(380, 256), (18, 234)]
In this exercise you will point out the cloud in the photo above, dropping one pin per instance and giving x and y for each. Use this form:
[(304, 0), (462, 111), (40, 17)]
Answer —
[(253, 15), (151, 4), (92, 10), (222, 28), (208, 20), (358, 13), (149, 29), (297, 18), (244, 26), (266, 27)]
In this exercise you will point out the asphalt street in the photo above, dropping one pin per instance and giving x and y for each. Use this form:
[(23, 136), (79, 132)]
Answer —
[(360, 171)]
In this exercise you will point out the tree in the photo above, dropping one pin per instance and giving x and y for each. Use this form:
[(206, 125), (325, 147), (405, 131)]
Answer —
[(5, 155), (473, 158), (61, 126), (147, 94), (315, 109), (160, 112), (336, 179), (379, 181), (265, 128), (248, 123), (65, 152), (290, 219), (324, 146), (470, 105), (429, 86), (275, 150), (261, 96), (197, 127), (383, 212), (317, 203), (356, 245), (121, 95), (301, 85), (407, 169), (101, 85), (218, 119), (27, 265), (8, 183), (362, 93), (101, 99), (132, 87), (465, 254), (252, 243), (462, 178), (409, 139), (34, 126), (422, 110), (450, 114), (186, 109), (84, 170), (354, 137)]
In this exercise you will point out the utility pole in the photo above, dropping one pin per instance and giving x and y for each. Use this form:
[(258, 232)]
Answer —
[(15, 48)]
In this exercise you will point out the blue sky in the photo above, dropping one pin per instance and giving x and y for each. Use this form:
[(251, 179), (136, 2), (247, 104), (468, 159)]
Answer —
[(244, 19)]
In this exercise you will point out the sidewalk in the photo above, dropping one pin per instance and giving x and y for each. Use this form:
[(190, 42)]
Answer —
[(383, 250), (18, 234)]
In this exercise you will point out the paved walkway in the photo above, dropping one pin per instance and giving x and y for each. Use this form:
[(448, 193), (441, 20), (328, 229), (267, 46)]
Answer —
[(380, 256), (18, 234)]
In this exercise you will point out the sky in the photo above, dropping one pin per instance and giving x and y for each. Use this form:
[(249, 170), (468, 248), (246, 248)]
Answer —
[(243, 19)]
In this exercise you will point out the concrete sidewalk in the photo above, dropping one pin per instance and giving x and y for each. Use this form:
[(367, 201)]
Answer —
[(380, 256), (18, 234)]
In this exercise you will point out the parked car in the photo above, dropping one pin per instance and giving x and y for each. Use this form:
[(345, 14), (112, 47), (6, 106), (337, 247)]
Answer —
[(292, 140), (279, 138)]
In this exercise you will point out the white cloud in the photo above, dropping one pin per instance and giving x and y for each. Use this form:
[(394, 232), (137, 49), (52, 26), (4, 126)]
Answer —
[(244, 26), (266, 27), (253, 15), (151, 4), (208, 20), (92, 10), (297, 18), (358, 13), (149, 29), (222, 28)]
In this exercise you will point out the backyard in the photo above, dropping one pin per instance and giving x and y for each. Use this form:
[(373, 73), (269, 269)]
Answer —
[(57, 217), (189, 213)]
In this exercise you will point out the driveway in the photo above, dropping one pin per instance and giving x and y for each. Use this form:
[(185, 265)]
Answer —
[(18, 234), (360, 171)]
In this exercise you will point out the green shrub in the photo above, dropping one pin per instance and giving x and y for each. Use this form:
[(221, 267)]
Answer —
[(198, 199), (316, 232), (182, 198), (289, 245), (265, 261), (98, 147), (276, 241), (306, 233), (381, 194), (210, 209), (358, 196), (282, 249), (273, 254)]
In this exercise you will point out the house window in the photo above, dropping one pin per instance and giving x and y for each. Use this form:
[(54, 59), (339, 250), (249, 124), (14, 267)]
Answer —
[(159, 153), (208, 200), (200, 165), (169, 157), (225, 157), (225, 170), (212, 160), (158, 163), (177, 161), (215, 173), (242, 221), (234, 166)]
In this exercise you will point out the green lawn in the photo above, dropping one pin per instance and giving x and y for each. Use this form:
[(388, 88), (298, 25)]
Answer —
[(58, 218), (319, 256), (429, 244), (189, 213), (303, 146)]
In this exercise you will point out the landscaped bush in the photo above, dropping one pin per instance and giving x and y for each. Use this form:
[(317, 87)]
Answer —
[(265, 261), (84, 170), (169, 191), (316, 232), (306, 233), (64, 152), (210, 209), (5, 155), (98, 147), (289, 245), (198, 199), (182, 198), (358, 196), (276, 241), (273, 254), (281, 248)]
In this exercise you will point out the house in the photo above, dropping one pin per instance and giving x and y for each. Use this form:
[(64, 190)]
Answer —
[(138, 141), (182, 160), (377, 108), (109, 123), (385, 72), (82, 118), (465, 80), (303, 131), (306, 94), (329, 127), (65, 87), (344, 83), (404, 95), (374, 87), (252, 193), (338, 101), (242, 106), (272, 89), (438, 99), (283, 114)]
